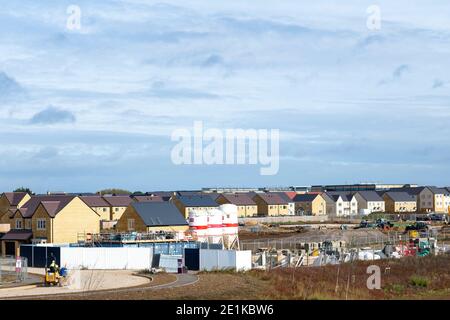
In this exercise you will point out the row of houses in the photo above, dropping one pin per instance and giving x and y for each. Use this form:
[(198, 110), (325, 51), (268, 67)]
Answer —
[(69, 218), (62, 218), (398, 200), (332, 203)]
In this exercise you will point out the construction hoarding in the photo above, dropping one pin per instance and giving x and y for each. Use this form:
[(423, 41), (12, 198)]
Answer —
[(107, 258), (225, 259)]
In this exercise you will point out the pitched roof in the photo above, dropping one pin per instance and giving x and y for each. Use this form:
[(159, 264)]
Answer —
[(95, 201), (370, 195), (162, 194), (271, 198), (189, 193), (290, 194), (197, 201), (21, 235), (284, 196), (52, 207), (239, 199), (306, 197), (410, 190), (401, 196), (148, 198), (344, 195), (159, 214), (436, 190), (118, 201), (53, 203), (213, 195), (14, 198)]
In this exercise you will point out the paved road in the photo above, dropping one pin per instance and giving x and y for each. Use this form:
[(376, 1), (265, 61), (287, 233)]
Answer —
[(80, 281), (181, 280)]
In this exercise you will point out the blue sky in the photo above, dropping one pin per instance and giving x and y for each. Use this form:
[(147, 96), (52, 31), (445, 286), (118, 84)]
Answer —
[(93, 108)]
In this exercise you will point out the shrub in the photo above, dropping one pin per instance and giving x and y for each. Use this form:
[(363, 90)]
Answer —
[(145, 271), (417, 281), (396, 289)]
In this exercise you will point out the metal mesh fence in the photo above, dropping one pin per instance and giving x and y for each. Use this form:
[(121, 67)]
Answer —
[(13, 269), (376, 240)]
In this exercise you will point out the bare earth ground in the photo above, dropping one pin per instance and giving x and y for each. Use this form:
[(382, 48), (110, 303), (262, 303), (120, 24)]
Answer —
[(408, 278), (311, 235)]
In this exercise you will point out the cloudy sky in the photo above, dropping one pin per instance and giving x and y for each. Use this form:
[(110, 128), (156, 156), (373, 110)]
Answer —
[(93, 108)]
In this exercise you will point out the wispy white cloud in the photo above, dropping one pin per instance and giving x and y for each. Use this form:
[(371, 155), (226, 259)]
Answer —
[(139, 69)]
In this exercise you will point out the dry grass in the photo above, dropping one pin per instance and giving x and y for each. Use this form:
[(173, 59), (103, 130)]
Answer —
[(405, 278), (408, 278)]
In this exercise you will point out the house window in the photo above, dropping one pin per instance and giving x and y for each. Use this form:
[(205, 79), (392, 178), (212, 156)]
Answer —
[(40, 224), (104, 209), (130, 224), (18, 224)]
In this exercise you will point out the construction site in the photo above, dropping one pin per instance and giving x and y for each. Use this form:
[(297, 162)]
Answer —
[(214, 246)]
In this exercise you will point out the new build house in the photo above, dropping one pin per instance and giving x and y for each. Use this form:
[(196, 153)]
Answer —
[(151, 216), (330, 204), (118, 205), (50, 219), (345, 204), (270, 204), (12, 200), (310, 204), (9, 202), (430, 199), (288, 197), (99, 205), (440, 198), (369, 202), (246, 206), (400, 202), (198, 202), (447, 200)]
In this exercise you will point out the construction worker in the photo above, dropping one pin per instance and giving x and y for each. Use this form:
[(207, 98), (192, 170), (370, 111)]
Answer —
[(54, 267)]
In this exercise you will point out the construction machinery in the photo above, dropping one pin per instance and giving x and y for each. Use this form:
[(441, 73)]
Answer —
[(55, 276), (418, 226), (52, 279), (379, 223)]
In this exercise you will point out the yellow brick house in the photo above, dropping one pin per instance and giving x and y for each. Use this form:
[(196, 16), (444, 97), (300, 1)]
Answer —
[(9, 202), (400, 202), (270, 204), (118, 205), (245, 205), (50, 219), (197, 202), (151, 216), (310, 204), (99, 205)]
